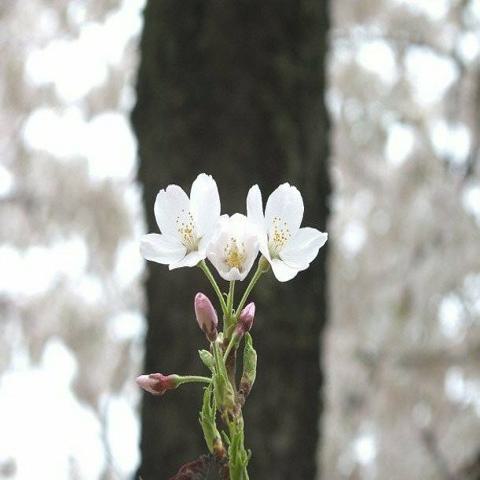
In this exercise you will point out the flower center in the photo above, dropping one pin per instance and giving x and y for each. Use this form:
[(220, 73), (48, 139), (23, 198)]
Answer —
[(234, 254), (187, 231), (278, 236)]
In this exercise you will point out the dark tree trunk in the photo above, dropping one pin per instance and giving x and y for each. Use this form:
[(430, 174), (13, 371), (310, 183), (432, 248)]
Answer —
[(235, 89)]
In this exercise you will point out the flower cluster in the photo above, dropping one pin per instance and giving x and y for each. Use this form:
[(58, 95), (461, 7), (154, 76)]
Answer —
[(192, 230)]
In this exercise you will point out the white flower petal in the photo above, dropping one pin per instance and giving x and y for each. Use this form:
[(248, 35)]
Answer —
[(255, 216), (282, 272), (215, 252), (286, 203), (190, 260), (263, 247), (161, 249), (303, 247), (251, 248), (171, 204), (255, 207), (234, 247), (205, 204), (233, 274)]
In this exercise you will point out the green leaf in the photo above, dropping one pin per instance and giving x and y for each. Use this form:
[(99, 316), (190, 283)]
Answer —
[(207, 418), (224, 394), (249, 366), (223, 390), (238, 456)]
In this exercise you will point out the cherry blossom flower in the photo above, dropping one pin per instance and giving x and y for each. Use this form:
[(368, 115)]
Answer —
[(234, 247), (288, 248), (186, 224)]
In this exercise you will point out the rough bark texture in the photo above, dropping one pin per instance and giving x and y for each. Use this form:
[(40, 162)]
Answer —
[(235, 89)]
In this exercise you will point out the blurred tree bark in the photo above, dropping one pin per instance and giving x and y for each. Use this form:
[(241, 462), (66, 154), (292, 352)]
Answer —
[(235, 89)]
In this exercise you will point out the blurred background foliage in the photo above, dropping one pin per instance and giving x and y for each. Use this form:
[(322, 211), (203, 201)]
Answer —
[(400, 357), (403, 391), (70, 212)]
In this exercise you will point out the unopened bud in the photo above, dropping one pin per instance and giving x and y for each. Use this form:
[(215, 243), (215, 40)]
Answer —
[(158, 384), (206, 316), (245, 320)]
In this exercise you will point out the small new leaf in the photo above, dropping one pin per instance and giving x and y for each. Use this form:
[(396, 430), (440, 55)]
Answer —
[(224, 394), (208, 420), (207, 358), (249, 366), (238, 456)]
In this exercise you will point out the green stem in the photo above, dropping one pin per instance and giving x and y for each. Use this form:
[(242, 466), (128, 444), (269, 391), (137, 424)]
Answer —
[(253, 281), (194, 379), (229, 318), (231, 295), (214, 284), (229, 348), (217, 356)]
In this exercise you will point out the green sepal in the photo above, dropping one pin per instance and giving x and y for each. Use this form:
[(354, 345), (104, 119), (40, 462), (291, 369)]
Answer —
[(207, 358)]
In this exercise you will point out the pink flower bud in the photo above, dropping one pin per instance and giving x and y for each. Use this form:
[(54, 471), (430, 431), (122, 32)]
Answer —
[(245, 320), (157, 384), (206, 316)]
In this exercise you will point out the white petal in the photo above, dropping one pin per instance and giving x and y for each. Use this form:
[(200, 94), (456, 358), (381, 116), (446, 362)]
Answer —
[(240, 230), (286, 203), (190, 260), (282, 272), (170, 204), (205, 204), (255, 216), (255, 207), (303, 247), (215, 252), (263, 247), (251, 247), (216, 255), (161, 249), (232, 274)]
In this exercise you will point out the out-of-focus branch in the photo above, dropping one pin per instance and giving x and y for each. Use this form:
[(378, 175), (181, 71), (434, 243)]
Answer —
[(474, 153), (420, 357), (471, 471), (436, 357), (429, 439)]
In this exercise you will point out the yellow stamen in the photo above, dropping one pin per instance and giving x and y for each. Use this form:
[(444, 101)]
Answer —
[(279, 237), (187, 231), (234, 254)]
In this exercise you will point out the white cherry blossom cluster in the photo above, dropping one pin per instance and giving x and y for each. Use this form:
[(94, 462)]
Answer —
[(192, 229)]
